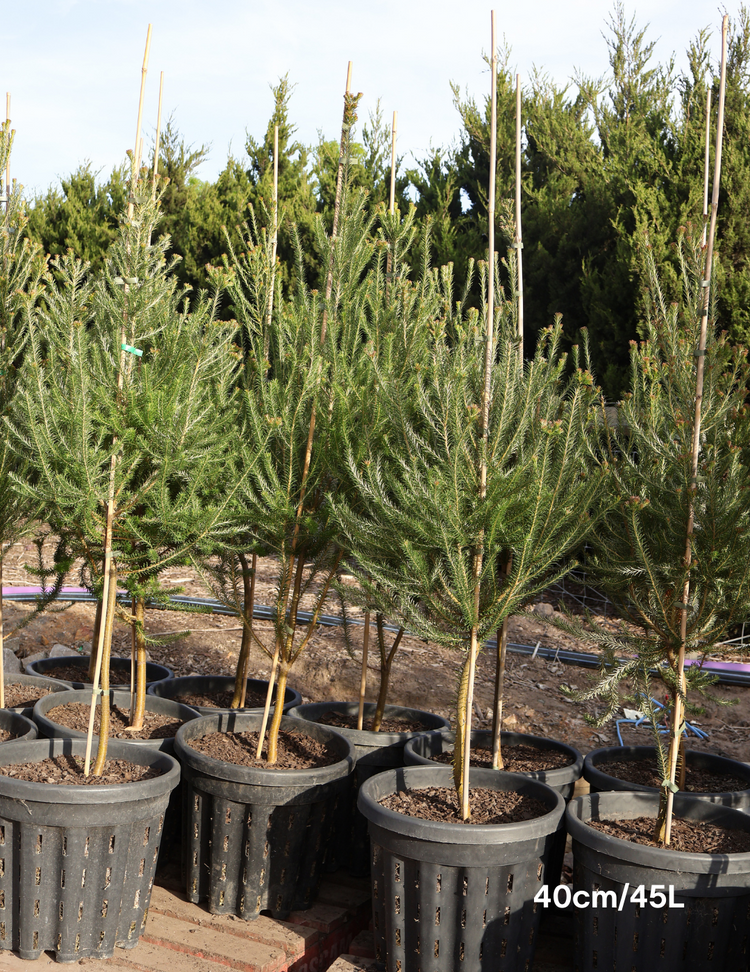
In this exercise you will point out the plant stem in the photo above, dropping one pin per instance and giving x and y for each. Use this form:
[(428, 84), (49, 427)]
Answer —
[(158, 137), (519, 234), (95, 639), (248, 606), (497, 714), (106, 650), (386, 663), (363, 677), (136, 718)]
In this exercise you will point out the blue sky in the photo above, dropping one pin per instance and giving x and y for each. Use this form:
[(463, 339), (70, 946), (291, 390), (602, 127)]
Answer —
[(73, 66)]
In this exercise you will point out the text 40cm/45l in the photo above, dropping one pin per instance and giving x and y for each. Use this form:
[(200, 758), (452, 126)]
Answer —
[(656, 895)]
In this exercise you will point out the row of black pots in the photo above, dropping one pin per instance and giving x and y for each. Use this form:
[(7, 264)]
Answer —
[(242, 871)]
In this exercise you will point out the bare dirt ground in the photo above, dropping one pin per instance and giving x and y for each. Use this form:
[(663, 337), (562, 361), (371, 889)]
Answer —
[(424, 676)]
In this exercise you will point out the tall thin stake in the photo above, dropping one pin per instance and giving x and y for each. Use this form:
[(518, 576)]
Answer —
[(2, 643), (392, 201), (363, 677), (706, 166), (345, 126), (519, 233), (7, 163), (678, 714), (158, 137), (108, 595), (137, 144), (275, 237), (488, 355)]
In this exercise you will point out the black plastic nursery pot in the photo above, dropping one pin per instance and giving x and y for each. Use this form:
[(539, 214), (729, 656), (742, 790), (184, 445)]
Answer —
[(179, 688), (374, 752), (32, 682), (18, 725), (419, 752), (47, 666), (700, 916), (595, 772), (77, 862), (452, 896), (255, 838), (44, 715)]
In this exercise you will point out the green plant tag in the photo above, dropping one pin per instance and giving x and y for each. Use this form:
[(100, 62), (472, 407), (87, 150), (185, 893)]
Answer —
[(131, 350)]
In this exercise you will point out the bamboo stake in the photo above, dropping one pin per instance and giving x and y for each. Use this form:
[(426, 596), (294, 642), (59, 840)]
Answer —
[(519, 234), (7, 163), (243, 673), (392, 202), (363, 678), (678, 715), (109, 597), (136, 146), (474, 645), (132, 658), (706, 163), (158, 137), (275, 239), (311, 431)]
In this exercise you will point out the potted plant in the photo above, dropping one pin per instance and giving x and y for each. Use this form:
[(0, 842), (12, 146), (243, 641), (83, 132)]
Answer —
[(485, 484), (673, 556), (293, 348)]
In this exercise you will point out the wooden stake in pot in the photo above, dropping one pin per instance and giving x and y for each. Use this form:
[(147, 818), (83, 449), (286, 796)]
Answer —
[(7, 163), (706, 165), (677, 721), (363, 679), (392, 201), (483, 430), (349, 106)]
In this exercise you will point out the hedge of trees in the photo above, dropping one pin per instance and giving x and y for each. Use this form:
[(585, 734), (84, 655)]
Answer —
[(604, 163)]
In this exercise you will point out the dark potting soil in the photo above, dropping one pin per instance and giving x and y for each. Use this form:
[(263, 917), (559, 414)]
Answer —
[(688, 836), (487, 806), (516, 759), (75, 715), (296, 751), (68, 770), (345, 721), (18, 695), (73, 673), (644, 771), (222, 699)]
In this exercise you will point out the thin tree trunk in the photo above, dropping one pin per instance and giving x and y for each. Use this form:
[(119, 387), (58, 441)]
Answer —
[(95, 640), (248, 607), (386, 663), (136, 717), (678, 695), (497, 716), (106, 649)]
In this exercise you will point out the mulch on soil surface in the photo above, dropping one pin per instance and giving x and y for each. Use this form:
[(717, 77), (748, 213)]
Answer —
[(345, 721), (516, 759), (644, 771), (75, 715), (68, 771), (296, 751), (18, 695), (688, 836), (487, 806), (73, 673), (221, 699), (6, 735)]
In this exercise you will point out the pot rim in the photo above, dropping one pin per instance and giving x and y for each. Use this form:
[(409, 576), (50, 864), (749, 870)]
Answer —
[(234, 721), (410, 777), (367, 736), (662, 858)]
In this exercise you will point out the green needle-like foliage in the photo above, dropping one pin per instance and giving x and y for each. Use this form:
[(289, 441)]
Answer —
[(126, 450), (638, 556), (420, 519)]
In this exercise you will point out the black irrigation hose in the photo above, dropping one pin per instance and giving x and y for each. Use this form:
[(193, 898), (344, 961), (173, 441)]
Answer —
[(263, 613)]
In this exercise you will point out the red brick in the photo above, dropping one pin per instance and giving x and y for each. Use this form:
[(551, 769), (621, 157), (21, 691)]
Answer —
[(295, 940), (354, 899), (214, 945), (351, 963), (325, 918), (148, 957)]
